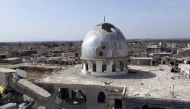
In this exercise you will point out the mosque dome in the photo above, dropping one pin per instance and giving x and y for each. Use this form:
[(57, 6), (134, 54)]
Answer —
[(104, 51), (104, 41)]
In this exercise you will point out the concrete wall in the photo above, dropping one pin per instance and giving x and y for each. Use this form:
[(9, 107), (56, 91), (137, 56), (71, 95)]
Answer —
[(112, 94), (91, 93)]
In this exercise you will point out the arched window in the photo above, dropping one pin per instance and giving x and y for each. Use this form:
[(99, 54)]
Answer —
[(64, 93), (113, 67), (121, 66), (77, 96), (86, 65), (101, 97), (118, 104), (145, 107), (94, 67), (103, 67)]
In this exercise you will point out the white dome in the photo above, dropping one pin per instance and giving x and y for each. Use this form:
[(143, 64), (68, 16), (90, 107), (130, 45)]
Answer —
[(104, 41)]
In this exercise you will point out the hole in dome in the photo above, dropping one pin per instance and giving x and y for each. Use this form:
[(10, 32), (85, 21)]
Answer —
[(103, 47), (113, 29), (100, 53), (108, 27)]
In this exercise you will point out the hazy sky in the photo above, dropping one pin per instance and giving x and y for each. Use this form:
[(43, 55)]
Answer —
[(58, 20)]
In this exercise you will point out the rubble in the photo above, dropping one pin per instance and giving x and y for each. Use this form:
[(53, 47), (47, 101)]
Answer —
[(110, 73)]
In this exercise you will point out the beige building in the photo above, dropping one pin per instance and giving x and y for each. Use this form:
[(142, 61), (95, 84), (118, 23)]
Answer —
[(185, 52)]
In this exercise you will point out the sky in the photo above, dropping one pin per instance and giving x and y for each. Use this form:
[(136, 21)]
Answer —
[(68, 20)]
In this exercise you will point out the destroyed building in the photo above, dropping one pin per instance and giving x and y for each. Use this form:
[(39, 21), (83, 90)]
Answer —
[(103, 80), (106, 71), (184, 52)]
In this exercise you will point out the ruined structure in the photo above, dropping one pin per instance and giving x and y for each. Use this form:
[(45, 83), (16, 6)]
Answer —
[(185, 52), (98, 83), (105, 79)]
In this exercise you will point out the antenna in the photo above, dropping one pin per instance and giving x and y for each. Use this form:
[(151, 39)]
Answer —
[(104, 18)]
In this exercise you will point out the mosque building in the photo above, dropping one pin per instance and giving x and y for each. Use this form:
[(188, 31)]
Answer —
[(104, 80), (104, 51)]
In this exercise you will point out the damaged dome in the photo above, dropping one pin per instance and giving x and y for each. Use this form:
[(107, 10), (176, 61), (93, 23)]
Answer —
[(104, 41)]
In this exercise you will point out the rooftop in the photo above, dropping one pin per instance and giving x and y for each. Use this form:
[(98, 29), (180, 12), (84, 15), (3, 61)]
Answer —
[(148, 81)]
